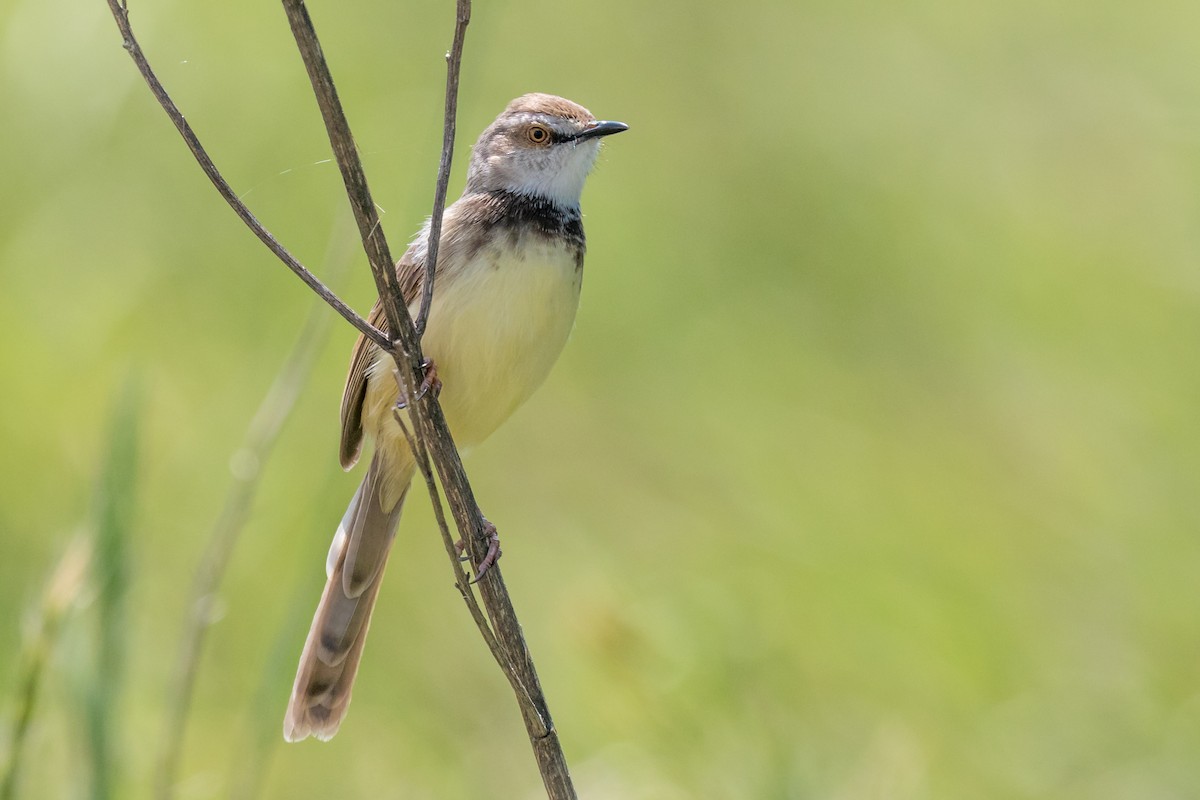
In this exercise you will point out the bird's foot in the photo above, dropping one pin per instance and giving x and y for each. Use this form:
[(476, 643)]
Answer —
[(493, 551), (430, 383)]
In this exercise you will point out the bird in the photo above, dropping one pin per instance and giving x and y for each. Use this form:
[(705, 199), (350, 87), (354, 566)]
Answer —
[(506, 289)]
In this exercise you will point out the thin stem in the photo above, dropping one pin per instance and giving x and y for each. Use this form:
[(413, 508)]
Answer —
[(453, 68)]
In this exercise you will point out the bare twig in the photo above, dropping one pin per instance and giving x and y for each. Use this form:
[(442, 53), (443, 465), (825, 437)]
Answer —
[(462, 18), (256, 446), (120, 12)]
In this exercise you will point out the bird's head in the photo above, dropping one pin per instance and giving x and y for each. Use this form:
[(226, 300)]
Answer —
[(542, 146)]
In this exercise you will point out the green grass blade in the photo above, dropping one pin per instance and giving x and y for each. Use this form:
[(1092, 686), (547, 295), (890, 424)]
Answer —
[(115, 510)]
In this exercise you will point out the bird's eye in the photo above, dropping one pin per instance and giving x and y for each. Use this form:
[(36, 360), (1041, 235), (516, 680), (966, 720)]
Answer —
[(538, 134)]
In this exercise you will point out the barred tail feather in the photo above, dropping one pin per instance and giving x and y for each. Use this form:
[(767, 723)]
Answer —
[(329, 662)]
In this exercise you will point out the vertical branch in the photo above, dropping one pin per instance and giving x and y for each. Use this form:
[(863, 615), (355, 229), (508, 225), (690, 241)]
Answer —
[(453, 68)]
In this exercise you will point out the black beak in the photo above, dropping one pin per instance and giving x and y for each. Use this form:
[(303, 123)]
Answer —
[(600, 128)]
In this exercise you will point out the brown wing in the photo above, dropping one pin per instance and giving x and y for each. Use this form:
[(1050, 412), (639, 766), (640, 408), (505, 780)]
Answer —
[(411, 277)]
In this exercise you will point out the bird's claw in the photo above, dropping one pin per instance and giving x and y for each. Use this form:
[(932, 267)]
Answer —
[(493, 551), (430, 383)]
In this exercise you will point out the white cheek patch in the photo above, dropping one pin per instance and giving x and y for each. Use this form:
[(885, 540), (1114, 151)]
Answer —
[(562, 184)]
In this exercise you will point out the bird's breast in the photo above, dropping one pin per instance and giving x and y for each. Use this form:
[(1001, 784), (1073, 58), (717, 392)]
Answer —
[(497, 325)]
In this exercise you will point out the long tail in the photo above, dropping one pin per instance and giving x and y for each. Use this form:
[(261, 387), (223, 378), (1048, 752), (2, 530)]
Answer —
[(355, 565)]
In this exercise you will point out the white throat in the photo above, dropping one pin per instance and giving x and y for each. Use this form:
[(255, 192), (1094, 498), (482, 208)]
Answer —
[(563, 183)]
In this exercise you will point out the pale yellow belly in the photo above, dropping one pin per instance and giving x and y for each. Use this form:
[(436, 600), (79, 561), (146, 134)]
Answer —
[(494, 333)]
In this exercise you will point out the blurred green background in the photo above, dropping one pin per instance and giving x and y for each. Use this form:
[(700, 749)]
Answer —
[(870, 470)]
